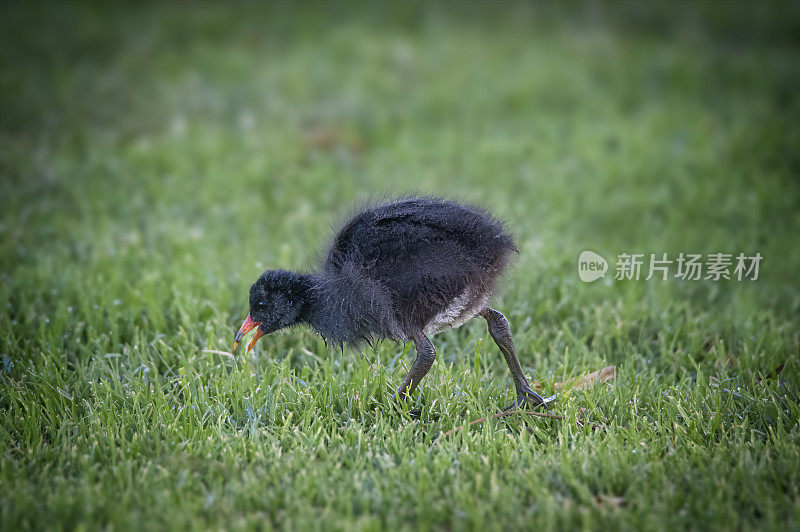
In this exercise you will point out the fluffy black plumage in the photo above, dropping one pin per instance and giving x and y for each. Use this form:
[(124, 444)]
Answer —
[(400, 270)]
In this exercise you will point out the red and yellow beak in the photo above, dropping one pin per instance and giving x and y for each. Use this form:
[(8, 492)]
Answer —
[(246, 327)]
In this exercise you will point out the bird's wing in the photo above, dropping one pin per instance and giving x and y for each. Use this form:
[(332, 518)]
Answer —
[(405, 228)]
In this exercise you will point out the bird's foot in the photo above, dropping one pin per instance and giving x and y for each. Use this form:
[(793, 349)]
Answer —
[(415, 413), (529, 399)]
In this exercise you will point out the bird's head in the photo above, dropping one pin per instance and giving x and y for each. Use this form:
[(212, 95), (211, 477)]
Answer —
[(276, 300)]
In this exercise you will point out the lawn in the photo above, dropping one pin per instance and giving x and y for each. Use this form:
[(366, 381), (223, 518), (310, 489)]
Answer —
[(155, 158)]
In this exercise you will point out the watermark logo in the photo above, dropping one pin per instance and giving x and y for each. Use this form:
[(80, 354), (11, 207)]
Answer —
[(686, 266), (591, 266)]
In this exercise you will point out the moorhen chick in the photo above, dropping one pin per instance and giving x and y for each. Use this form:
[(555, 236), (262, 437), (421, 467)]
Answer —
[(402, 270)]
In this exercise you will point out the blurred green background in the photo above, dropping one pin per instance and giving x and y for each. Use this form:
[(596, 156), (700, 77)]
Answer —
[(155, 158)]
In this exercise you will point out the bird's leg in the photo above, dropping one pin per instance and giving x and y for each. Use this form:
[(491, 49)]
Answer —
[(501, 334), (426, 354)]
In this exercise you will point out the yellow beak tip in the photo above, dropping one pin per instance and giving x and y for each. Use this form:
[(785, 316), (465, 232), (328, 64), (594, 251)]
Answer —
[(234, 345)]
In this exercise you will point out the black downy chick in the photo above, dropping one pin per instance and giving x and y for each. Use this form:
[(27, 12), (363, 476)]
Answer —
[(402, 270)]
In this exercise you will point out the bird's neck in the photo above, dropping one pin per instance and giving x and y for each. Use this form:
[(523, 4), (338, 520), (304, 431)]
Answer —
[(304, 289), (323, 306)]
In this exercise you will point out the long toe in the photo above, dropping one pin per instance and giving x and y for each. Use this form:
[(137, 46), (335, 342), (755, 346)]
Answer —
[(414, 413), (528, 399), (531, 399), (520, 403)]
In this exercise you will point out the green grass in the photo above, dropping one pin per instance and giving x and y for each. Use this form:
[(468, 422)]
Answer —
[(156, 158)]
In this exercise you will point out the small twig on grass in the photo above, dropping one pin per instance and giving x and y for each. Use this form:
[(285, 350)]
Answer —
[(606, 374), (218, 352), (494, 416), (548, 415)]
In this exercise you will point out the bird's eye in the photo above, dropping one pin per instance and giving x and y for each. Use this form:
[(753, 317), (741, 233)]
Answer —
[(261, 304)]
